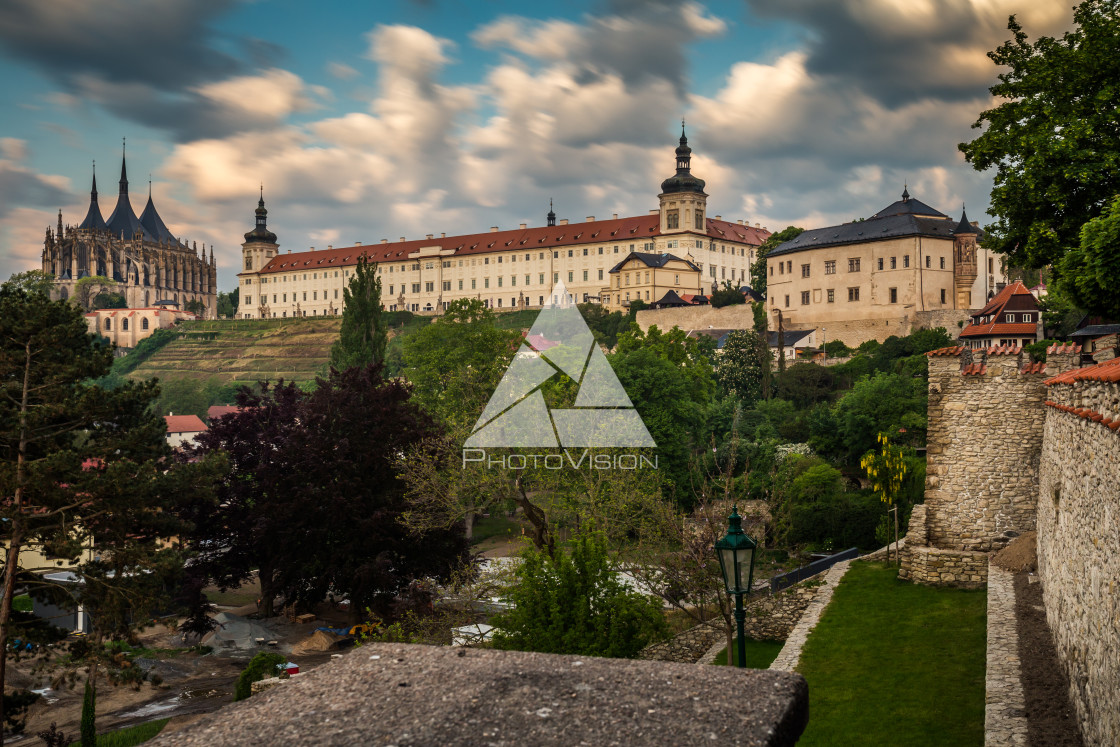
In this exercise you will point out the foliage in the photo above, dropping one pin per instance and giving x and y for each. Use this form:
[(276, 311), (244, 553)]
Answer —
[(130, 736), (364, 334), (743, 366), (875, 618), (883, 403), (195, 307), (1089, 270), (848, 520), (1059, 316), (837, 349), (1037, 350), (228, 303), (758, 269), (576, 604), (16, 704), (88, 288), (1053, 139), (262, 666), (728, 295), (805, 384), (52, 737), (33, 282), (89, 716), (886, 470), (110, 300), (606, 326)]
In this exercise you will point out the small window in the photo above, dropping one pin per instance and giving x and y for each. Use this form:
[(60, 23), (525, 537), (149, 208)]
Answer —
[(804, 271), (928, 262), (108, 323), (144, 323), (942, 295), (894, 263), (830, 267), (787, 301), (1009, 317), (124, 322), (804, 298), (942, 263), (1026, 319), (781, 268), (853, 264), (894, 295), (853, 294), (831, 296), (905, 260)]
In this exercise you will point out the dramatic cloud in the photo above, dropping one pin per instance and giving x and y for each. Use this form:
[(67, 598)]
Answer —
[(21, 187)]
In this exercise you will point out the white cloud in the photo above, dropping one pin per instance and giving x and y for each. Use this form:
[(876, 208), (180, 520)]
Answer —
[(274, 94)]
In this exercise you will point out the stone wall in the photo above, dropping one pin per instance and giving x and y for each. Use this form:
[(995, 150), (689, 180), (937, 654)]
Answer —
[(1079, 540), (983, 444), (739, 316), (937, 566), (771, 618)]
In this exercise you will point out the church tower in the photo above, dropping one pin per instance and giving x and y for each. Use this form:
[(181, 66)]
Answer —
[(683, 200), (259, 247), (964, 261)]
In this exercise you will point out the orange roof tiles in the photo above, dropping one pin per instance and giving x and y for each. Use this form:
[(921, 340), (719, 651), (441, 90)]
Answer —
[(955, 350), (1033, 368), (1005, 349), (974, 369), (1063, 348), (184, 424), (1000, 299), (998, 328), (1086, 414), (1108, 371), (615, 230)]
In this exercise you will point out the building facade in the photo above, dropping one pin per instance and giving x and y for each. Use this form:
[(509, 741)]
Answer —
[(126, 327), (508, 269), (139, 256), (907, 266), (648, 277), (1012, 318)]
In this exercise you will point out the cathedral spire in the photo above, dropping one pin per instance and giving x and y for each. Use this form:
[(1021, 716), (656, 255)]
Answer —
[(260, 232), (683, 181), (93, 220), (551, 213), (124, 171)]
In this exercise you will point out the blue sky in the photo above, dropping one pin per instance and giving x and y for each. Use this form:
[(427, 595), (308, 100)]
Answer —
[(386, 119)]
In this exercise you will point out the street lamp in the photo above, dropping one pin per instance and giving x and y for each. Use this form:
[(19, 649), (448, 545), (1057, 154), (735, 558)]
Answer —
[(736, 560)]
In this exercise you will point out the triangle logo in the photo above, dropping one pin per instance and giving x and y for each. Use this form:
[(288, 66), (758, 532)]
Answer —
[(559, 342)]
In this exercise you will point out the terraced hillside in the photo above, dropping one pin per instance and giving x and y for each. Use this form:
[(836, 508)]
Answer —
[(244, 351)]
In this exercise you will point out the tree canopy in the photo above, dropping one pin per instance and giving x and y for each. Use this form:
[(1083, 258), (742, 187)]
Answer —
[(758, 269), (1089, 271), (363, 336), (1053, 139)]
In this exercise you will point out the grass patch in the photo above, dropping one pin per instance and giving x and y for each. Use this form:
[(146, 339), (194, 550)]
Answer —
[(760, 654), (896, 663), (129, 736), (497, 525), (22, 603)]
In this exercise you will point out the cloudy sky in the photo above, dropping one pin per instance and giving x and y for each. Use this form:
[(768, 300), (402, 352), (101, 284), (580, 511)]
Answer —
[(370, 120)]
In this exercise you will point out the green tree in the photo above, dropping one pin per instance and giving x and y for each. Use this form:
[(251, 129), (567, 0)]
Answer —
[(228, 302), (35, 282), (195, 307), (758, 268), (363, 336), (87, 289), (1054, 139), (728, 295), (1089, 271), (89, 716), (110, 300), (262, 666), (883, 403), (576, 604), (743, 366)]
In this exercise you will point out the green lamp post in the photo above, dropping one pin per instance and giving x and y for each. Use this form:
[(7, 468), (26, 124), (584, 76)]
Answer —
[(736, 560)]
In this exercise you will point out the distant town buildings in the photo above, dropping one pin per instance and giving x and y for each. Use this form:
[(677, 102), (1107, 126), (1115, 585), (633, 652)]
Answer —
[(512, 269), (139, 256), (126, 327), (907, 266), (1011, 318), (181, 429)]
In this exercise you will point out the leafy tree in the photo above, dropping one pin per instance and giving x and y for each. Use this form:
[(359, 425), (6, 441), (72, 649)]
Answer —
[(110, 300), (887, 470), (1053, 139), (728, 295), (758, 269), (87, 289), (34, 282), (363, 336), (606, 326), (1037, 350), (743, 366), (228, 303), (83, 467), (195, 307), (1090, 269), (883, 403), (837, 349), (576, 604), (805, 384), (262, 666)]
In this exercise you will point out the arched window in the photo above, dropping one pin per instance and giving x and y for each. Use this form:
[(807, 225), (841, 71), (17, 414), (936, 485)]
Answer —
[(124, 325), (108, 323), (144, 323)]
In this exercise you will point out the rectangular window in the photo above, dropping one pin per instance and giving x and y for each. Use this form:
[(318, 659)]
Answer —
[(513, 281), (905, 260), (585, 275), (486, 282), (429, 286), (781, 268), (804, 298), (447, 285), (314, 295), (474, 285), (570, 252), (880, 263), (853, 294), (305, 295), (831, 296), (928, 262), (676, 280), (555, 277), (460, 285), (1026, 318), (541, 280), (248, 302), (672, 219), (789, 267), (942, 263), (570, 275), (499, 281), (585, 251), (600, 274), (527, 280), (830, 267), (787, 301), (853, 264), (804, 271), (894, 295), (942, 295), (416, 287), (1009, 317), (991, 269), (336, 292), (894, 263)]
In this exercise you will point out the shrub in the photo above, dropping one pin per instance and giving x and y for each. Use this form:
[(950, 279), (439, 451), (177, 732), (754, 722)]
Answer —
[(261, 666)]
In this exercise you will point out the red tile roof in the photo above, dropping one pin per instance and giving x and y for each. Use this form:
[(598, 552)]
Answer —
[(1033, 368), (1087, 414), (217, 411), (994, 308), (1000, 299), (1107, 371), (615, 230), (184, 424), (1004, 350), (974, 369), (955, 350), (1063, 348), (998, 328)]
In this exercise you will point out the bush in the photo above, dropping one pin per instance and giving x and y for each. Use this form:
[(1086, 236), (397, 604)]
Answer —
[(847, 521), (576, 604), (261, 666), (728, 295)]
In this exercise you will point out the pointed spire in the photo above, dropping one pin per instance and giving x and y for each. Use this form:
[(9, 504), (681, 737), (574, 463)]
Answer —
[(905, 193), (93, 190), (93, 220), (124, 171), (964, 228), (260, 232), (551, 214), (684, 181)]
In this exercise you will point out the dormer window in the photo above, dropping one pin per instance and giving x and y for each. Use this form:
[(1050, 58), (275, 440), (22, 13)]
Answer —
[(1009, 317)]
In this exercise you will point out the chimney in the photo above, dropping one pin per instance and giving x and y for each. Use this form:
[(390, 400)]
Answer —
[(563, 221), (312, 248), (614, 216), (402, 239), (442, 235), (330, 246), (975, 223), (357, 243), (523, 226), (429, 235), (655, 211), (591, 219), (384, 241), (758, 225), (289, 251), (493, 229), (719, 217)]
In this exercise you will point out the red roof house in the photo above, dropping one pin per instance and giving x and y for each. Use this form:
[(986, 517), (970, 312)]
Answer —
[(183, 428), (1010, 318)]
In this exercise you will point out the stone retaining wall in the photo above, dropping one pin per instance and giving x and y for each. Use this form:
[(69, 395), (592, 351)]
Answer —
[(936, 566), (1079, 542)]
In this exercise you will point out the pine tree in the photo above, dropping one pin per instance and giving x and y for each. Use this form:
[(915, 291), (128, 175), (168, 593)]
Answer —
[(363, 337), (89, 716)]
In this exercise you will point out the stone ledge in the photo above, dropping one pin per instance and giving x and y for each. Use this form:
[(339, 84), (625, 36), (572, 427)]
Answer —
[(419, 695)]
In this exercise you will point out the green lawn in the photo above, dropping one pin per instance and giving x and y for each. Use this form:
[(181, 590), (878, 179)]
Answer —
[(760, 654), (893, 663), (133, 735)]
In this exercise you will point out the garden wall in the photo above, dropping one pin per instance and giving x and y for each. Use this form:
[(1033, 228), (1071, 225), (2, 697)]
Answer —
[(1079, 540), (937, 566)]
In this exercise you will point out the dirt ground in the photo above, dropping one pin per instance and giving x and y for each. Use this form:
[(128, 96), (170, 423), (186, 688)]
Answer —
[(1051, 720)]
